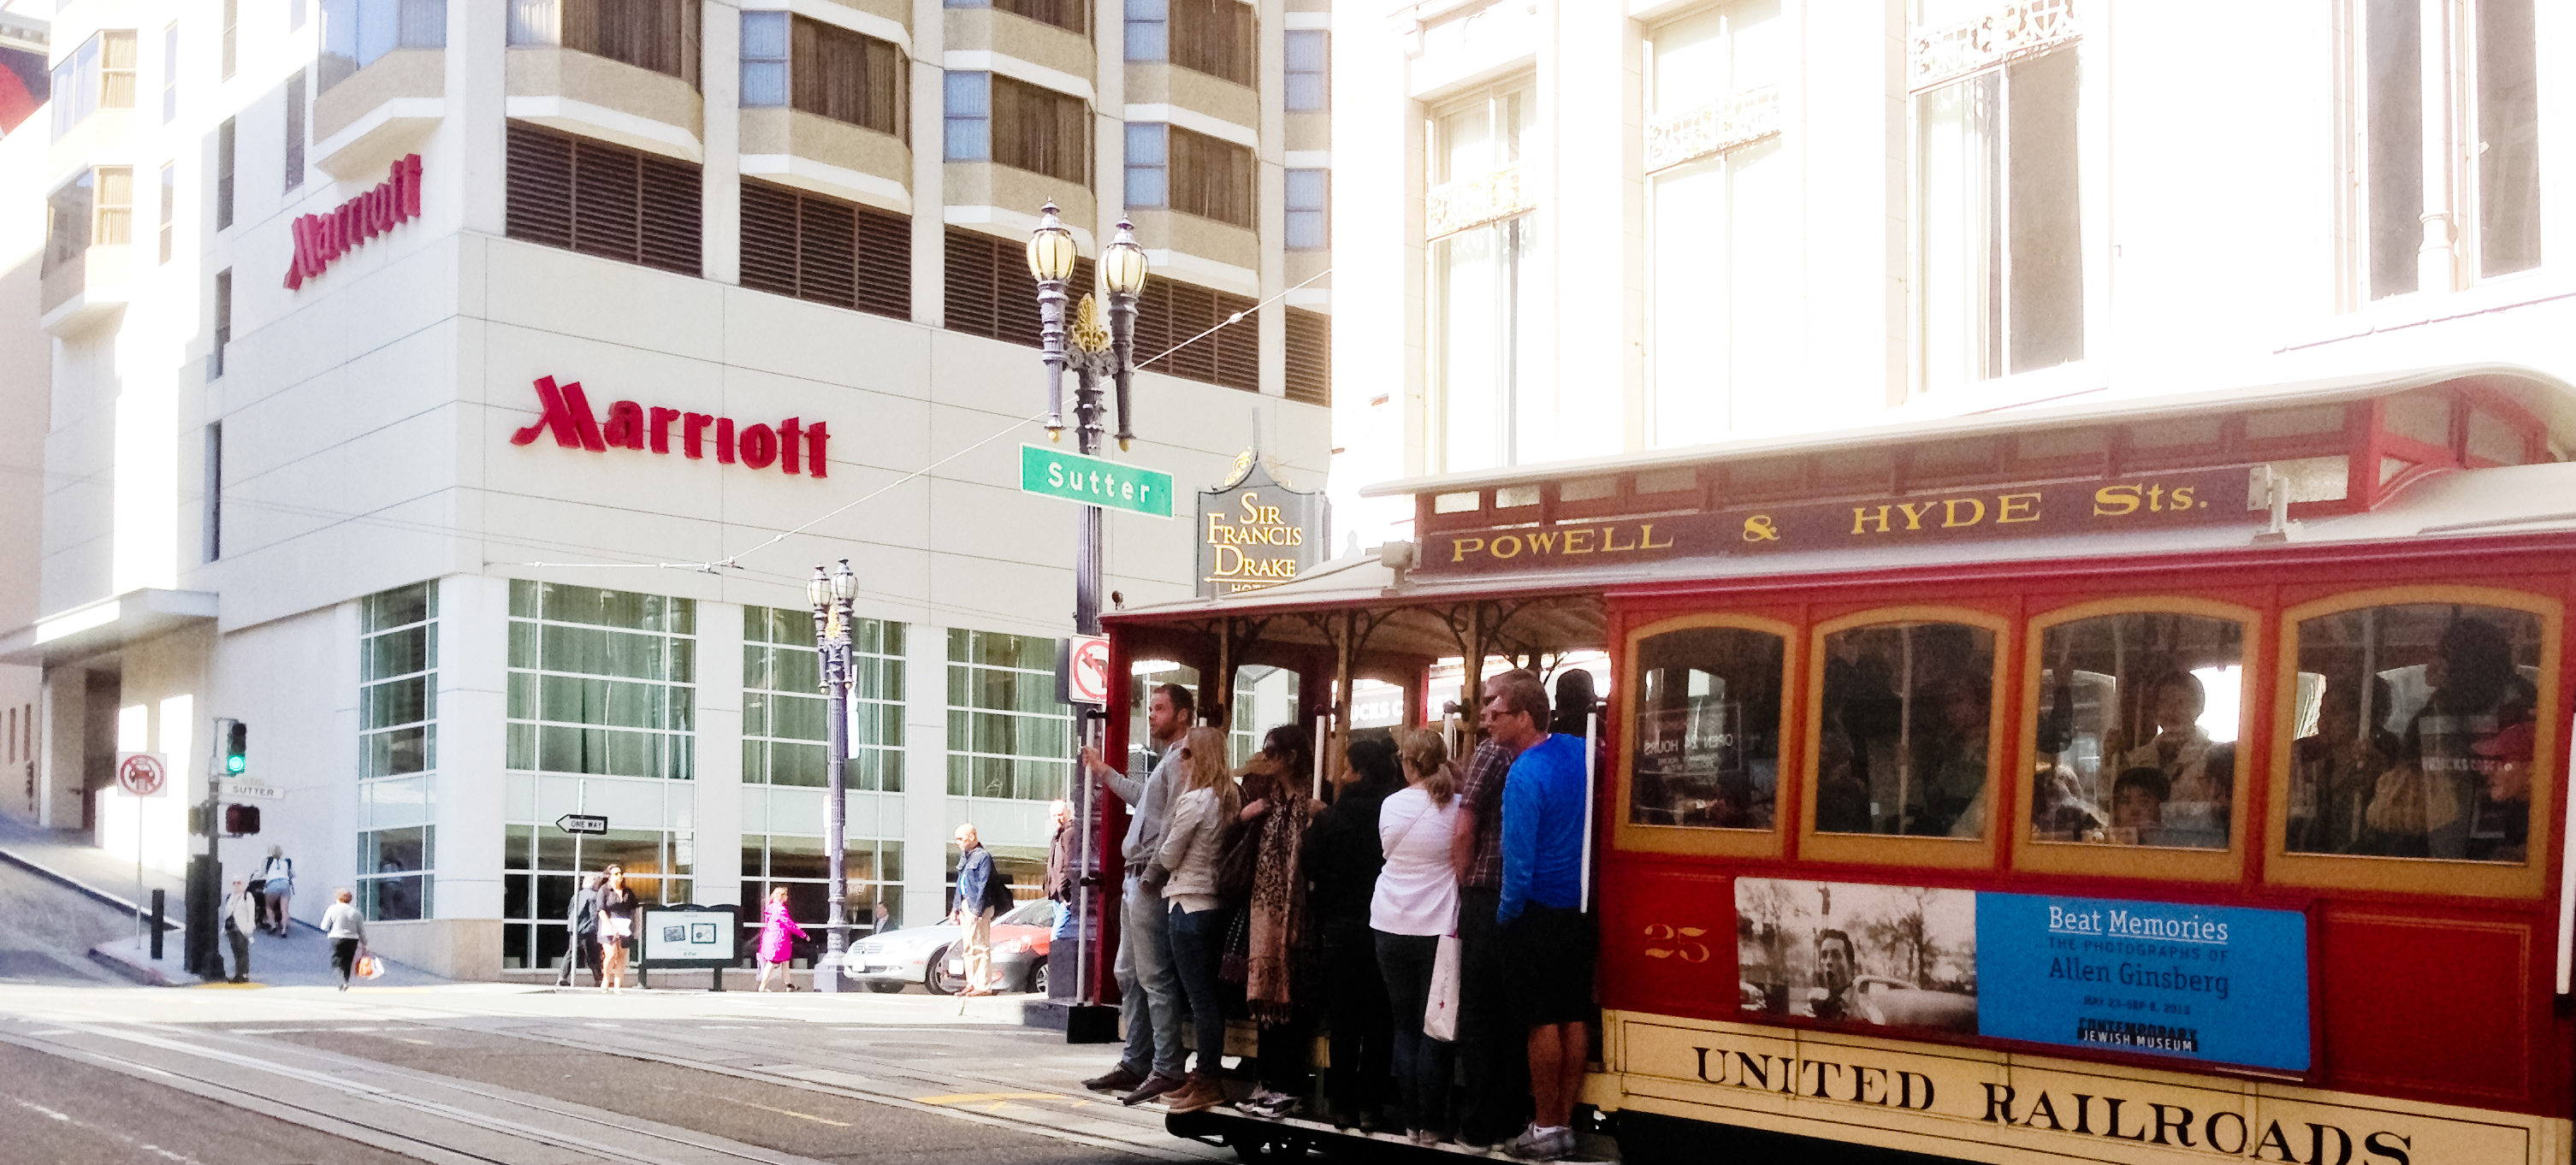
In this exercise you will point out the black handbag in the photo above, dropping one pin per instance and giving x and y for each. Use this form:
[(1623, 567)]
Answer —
[(1238, 861)]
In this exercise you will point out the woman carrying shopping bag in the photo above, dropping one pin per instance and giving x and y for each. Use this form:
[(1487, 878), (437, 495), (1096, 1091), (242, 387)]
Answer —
[(779, 935), (348, 931), (1416, 903)]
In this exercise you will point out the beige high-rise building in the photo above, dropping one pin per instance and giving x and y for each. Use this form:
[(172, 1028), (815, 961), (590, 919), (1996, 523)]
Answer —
[(1581, 228)]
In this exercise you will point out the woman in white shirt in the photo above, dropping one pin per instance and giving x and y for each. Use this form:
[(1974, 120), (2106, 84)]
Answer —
[(1185, 872), (1417, 902)]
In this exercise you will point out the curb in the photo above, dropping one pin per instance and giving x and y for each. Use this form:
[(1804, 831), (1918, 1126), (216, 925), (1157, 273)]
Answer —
[(139, 972), (73, 884)]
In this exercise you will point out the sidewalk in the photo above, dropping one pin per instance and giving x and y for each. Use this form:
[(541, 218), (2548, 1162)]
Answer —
[(302, 957)]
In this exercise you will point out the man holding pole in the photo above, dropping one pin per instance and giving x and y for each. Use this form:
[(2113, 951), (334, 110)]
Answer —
[(1149, 986)]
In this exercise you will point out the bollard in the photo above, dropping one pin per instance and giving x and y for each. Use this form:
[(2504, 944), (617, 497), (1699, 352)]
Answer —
[(156, 924)]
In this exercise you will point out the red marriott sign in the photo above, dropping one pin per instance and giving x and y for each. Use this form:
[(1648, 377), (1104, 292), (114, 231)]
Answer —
[(323, 238), (793, 446)]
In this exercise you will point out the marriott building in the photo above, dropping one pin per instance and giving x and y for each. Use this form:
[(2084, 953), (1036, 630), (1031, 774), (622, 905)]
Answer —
[(461, 394)]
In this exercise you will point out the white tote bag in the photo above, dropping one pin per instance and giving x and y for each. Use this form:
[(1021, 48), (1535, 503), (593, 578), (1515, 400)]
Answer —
[(1440, 1012)]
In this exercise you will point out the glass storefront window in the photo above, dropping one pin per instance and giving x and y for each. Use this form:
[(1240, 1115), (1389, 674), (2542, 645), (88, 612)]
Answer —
[(1007, 736), (2414, 729), (1707, 736), (397, 750), (2136, 733), (1903, 744), (783, 719), (602, 683)]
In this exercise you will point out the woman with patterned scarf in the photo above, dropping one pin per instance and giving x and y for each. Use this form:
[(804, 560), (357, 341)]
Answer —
[(1276, 803)]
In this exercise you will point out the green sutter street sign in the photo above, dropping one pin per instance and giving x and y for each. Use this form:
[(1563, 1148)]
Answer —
[(1077, 478)]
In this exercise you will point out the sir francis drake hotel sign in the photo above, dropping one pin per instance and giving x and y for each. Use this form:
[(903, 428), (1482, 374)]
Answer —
[(795, 447)]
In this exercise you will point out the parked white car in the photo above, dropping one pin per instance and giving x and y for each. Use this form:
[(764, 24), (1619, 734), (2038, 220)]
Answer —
[(926, 955)]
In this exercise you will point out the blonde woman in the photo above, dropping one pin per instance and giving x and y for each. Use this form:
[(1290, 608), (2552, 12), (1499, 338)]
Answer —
[(617, 903), (1415, 903), (1185, 870), (779, 935)]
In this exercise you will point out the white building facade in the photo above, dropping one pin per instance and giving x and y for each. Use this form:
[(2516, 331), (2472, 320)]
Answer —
[(460, 395), (1577, 229)]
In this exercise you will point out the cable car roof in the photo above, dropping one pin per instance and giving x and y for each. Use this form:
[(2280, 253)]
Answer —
[(2546, 397)]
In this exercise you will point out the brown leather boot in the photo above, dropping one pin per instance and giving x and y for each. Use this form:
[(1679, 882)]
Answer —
[(1203, 1091)]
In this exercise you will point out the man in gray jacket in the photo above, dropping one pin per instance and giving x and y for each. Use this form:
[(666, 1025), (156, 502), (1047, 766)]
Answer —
[(581, 922), (1149, 987)]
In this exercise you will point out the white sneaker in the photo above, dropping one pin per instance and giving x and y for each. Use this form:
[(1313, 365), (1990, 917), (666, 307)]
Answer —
[(1538, 1145)]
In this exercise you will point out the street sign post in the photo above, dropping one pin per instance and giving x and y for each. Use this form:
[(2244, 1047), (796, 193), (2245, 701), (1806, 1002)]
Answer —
[(1095, 481), (592, 823), (141, 774)]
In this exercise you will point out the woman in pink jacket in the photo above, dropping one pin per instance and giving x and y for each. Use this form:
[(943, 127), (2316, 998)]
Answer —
[(778, 935)]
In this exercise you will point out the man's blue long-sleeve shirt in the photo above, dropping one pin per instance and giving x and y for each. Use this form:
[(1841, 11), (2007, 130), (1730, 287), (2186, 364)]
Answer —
[(1543, 827)]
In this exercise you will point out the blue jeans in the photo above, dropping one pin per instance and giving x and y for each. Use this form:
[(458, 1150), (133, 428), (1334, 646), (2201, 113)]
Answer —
[(1198, 943), (1149, 993), (1421, 1063)]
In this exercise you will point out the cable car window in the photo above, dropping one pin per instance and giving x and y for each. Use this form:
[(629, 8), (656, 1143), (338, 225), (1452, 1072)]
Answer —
[(1708, 729), (2414, 733), (1903, 744), (2136, 733)]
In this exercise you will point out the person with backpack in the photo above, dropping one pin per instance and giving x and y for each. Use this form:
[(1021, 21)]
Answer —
[(276, 884), (980, 897)]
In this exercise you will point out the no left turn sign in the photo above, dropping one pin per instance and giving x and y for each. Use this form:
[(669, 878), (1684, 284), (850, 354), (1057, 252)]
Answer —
[(1087, 671), (140, 774)]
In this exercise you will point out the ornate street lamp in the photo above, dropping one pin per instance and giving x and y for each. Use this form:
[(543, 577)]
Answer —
[(830, 596), (1093, 348)]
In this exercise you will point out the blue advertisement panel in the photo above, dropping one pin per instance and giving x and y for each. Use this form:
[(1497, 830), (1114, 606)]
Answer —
[(2211, 983)]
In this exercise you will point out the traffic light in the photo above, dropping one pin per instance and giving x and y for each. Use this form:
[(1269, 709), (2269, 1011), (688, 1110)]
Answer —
[(241, 820), (236, 748)]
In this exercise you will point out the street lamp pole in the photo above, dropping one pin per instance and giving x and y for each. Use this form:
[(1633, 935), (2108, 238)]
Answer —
[(830, 597), (1092, 348)]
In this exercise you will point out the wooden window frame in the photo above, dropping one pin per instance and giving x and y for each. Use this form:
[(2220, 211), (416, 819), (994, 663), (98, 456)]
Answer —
[(1880, 849), (810, 48), (1695, 840), (2122, 861), (2530, 880)]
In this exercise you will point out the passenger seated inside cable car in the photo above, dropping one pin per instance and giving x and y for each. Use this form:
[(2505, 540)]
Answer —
[(1902, 746), (2132, 750), (2431, 758)]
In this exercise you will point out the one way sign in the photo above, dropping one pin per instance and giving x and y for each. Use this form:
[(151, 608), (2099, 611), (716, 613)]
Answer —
[(582, 823)]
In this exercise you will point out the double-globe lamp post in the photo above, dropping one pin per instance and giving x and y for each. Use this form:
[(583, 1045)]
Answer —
[(1092, 351), (830, 596)]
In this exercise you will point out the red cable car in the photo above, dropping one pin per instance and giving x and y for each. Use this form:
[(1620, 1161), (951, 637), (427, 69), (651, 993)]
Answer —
[(2165, 780)]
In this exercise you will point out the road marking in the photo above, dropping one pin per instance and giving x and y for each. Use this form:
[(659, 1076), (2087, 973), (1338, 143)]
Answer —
[(409, 1040), (786, 1112), (984, 1097)]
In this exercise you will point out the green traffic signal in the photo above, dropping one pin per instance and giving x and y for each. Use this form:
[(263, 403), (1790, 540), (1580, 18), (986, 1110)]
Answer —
[(236, 748)]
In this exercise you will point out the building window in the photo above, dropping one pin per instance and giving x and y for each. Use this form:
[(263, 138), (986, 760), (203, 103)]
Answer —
[(295, 14), (602, 683), (295, 130), (1723, 337), (823, 249), (1007, 736), (783, 718), (169, 74), (988, 291), (835, 73), (1998, 230), (223, 322), (1478, 346), (357, 32), (94, 209), (871, 872), (169, 206), (1168, 166), (1309, 362), (97, 75), (661, 35), (1191, 332), (992, 118), (232, 36), (1309, 72), (224, 175), (2498, 222), (1308, 228), (215, 491), (764, 59), (1215, 37), (604, 200), (543, 865), (397, 750), (1069, 15)]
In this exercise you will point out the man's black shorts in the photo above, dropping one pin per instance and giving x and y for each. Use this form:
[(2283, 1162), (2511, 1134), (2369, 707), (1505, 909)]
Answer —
[(1548, 953)]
